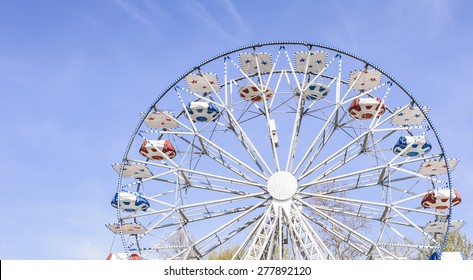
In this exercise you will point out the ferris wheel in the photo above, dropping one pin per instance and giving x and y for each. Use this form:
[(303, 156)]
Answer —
[(285, 150)]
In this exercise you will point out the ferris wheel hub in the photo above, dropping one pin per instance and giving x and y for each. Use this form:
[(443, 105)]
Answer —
[(282, 185)]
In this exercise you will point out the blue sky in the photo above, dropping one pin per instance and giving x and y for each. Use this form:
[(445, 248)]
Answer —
[(74, 76)]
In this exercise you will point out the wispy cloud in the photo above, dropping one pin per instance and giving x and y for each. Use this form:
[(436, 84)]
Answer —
[(347, 24), (200, 12), (135, 13), (235, 14), (441, 9), (206, 16)]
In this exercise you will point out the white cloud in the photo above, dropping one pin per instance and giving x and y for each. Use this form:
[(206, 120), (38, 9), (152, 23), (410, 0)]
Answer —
[(237, 18), (206, 17), (348, 24), (134, 13)]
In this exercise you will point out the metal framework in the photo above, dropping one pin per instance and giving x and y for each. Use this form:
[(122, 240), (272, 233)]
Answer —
[(285, 170)]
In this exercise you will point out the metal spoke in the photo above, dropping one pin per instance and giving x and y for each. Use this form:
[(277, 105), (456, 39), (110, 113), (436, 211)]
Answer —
[(226, 225), (338, 223)]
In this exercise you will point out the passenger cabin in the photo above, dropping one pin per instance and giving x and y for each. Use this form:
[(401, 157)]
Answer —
[(130, 228), (256, 63), (448, 256), (203, 83), (161, 120), (408, 116), (130, 202), (412, 146), (123, 256), (442, 226), (201, 111), (253, 93), (366, 108), (157, 149), (313, 92), (136, 171), (363, 80), (437, 167), (439, 199), (310, 62)]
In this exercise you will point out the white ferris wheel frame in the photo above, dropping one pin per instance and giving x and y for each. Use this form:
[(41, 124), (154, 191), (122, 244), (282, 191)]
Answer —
[(282, 219)]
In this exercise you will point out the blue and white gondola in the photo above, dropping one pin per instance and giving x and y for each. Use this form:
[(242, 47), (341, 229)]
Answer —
[(412, 146), (200, 111), (130, 202)]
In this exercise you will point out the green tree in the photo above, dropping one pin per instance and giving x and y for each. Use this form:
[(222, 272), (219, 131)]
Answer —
[(458, 242), (223, 254)]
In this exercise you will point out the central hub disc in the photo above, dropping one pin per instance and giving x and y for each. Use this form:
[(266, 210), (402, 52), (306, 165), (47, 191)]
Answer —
[(282, 185)]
